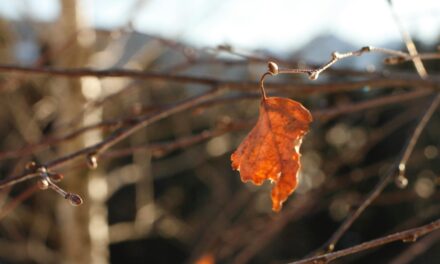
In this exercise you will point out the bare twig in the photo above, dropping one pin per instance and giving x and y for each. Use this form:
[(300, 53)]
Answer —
[(409, 235), (79, 72), (409, 43), (331, 243), (299, 88), (117, 136), (424, 56), (325, 114), (368, 104), (337, 56), (416, 249), (377, 190)]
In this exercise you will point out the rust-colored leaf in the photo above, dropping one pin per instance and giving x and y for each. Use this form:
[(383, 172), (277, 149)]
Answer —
[(271, 150)]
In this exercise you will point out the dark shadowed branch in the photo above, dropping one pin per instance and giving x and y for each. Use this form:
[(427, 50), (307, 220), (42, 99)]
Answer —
[(410, 235)]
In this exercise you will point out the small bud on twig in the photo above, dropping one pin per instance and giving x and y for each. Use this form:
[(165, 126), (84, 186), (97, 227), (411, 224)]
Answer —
[(46, 182), (43, 184), (74, 199), (272, 68), (335, 55), (331, 247), (56, 177), (92, 161), (43, 171), (31, 165), (401, 181)]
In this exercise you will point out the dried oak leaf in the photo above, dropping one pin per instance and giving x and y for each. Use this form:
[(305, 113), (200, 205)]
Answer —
[(271, 150)]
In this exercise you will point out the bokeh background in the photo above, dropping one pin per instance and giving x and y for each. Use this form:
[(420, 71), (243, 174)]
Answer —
[(167, 194)]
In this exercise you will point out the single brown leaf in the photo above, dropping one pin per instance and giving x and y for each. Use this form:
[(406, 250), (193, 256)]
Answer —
[(271, 150)]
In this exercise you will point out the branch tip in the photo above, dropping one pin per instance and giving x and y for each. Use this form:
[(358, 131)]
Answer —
[(46, 182), (74, 199), (401, 181)]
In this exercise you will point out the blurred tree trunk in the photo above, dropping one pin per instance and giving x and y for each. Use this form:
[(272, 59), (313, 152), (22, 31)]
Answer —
[(73, 221)]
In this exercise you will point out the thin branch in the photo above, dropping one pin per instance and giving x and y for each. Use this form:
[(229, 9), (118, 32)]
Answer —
[(409, 235), (417, 249), (324, 114), (163, 148), (337, 56), (117, 136), (413, 140), (296, 87), (80, 72), (368, 104), (409, 43), (420, 70), (424, 56), (331, 243), (377, 190)]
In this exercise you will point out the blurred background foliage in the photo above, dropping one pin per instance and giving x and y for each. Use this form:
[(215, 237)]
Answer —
[(167, 194)]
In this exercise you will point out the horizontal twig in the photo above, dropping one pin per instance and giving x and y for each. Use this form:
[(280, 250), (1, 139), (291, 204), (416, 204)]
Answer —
[(295, 87)]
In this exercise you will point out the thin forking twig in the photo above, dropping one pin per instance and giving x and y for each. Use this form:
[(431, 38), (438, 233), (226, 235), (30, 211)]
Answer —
[(377, 190), (397, 57), (410, 46)]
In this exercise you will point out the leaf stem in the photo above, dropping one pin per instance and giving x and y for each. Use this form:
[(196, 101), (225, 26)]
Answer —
[(263, 91)]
